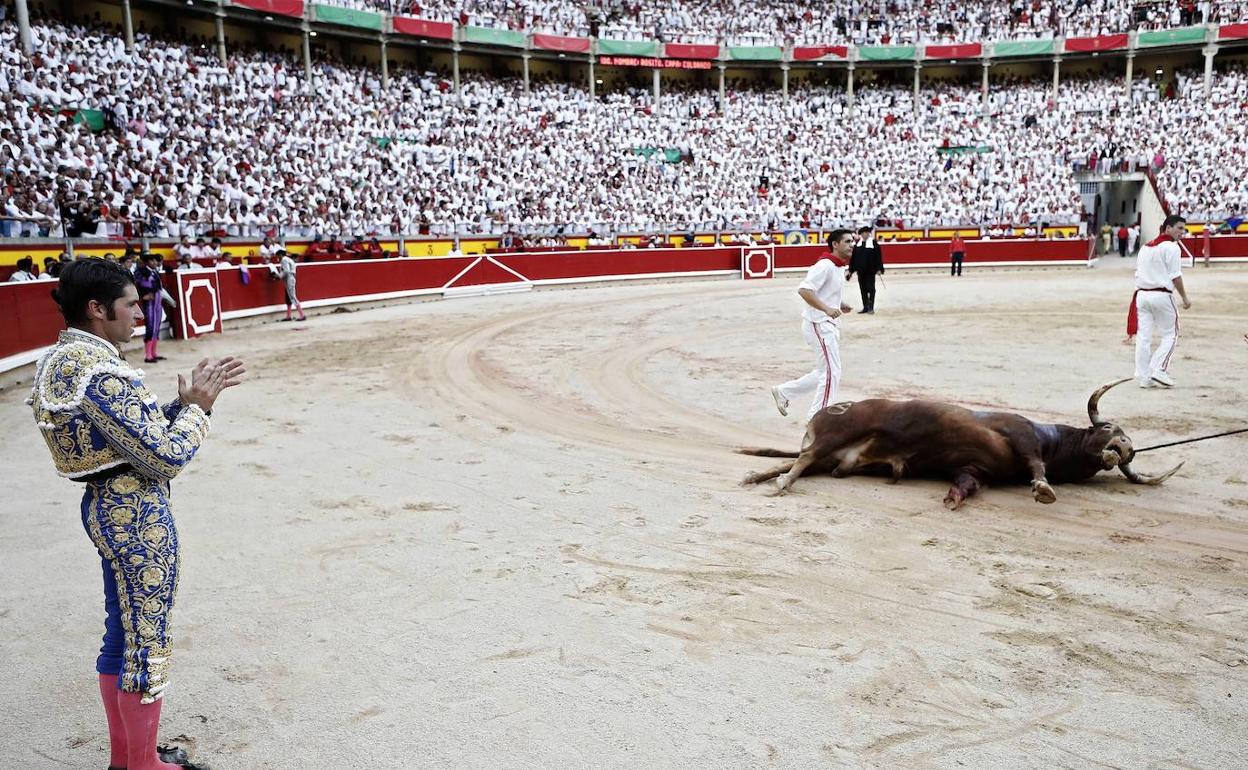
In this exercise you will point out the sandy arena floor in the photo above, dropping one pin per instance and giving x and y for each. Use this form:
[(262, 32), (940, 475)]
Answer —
[(507, 533)]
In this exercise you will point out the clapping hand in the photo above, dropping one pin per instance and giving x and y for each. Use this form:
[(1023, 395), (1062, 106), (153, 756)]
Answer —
[(208, 379)]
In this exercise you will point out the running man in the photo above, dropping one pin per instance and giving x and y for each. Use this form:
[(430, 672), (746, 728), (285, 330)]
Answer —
[(1158, 275), (821, 291), (286, 271)]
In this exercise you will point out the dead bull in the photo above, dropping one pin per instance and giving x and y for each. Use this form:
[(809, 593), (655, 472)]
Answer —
[(928, 439)]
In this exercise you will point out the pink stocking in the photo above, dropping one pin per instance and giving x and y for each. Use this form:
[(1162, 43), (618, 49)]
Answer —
[(116, 730)]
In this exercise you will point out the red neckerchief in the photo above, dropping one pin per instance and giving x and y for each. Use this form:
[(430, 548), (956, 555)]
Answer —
[(837, 260), (1160, 240)]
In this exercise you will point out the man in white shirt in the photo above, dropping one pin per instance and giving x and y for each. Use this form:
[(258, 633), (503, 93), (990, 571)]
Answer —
[(1158, 276), (821, 291), (268, 250), (285, 271), (186, 263), (25, 271), (183, 249)]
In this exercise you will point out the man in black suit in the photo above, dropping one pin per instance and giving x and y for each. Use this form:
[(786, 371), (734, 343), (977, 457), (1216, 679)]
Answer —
[(866, 261)]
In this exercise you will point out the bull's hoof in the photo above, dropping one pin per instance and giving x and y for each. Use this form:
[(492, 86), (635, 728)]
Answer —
[(952, 501), (1042, 492), (1110, 459), (782, 486), (750, 479)]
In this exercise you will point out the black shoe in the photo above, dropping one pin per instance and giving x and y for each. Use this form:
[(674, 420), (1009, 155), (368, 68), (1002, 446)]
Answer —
[(149, 360), (871, 311), (161, 358), (864, 310), (174, 755)]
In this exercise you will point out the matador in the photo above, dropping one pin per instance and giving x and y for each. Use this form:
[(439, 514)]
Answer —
[(106, 430)]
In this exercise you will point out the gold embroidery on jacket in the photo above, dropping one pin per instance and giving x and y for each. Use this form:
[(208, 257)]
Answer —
[(95, 413)]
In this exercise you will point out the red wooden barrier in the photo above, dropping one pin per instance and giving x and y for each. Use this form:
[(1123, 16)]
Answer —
[(29, 320)]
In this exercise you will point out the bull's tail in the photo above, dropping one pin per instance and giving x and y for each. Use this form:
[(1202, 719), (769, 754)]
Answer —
[(764, 452)]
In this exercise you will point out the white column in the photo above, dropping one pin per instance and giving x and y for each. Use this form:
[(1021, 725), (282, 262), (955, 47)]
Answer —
[(784, 83), (1130, 73), (849, 91), (220, 15), (593, 80), (723, 92), (307, 56), (983, 87), (385, 63), (918, 68), (1210, 52), (1057, 75), (657, 87), (455, 68), (23, 27), (127, 22), (525, 58)]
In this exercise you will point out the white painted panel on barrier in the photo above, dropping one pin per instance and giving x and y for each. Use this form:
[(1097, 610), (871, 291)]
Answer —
[(758, 262), (199, 303)]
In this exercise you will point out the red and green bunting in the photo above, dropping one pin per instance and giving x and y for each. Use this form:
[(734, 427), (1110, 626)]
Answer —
[(348, 17), (1090, 44), (755, 53), (506, 38), (815, 52), (436, 30), (629, 48), (1018, 48), (564, 44), (887, 53), (1233, 31), (276, 7), (441, 30), (685, 51), (960, 51)]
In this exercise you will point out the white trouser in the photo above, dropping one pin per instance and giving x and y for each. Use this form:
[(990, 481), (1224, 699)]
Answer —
[(1156, 312), (825, 340)]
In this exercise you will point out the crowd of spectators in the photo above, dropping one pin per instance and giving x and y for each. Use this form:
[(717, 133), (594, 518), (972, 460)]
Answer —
[(862, 22), (191, 147)]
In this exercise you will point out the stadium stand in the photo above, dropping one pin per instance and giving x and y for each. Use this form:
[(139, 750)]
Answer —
[(168, 141)]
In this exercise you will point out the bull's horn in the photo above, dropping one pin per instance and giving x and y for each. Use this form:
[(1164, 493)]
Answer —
[(1093, 414), (1140, 478)]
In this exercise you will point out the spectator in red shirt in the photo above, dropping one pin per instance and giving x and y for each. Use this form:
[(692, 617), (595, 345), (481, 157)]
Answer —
[(957, 251), (316, 250)]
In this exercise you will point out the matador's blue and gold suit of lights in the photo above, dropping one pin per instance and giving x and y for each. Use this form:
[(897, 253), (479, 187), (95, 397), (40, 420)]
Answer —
[(106, 429)]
